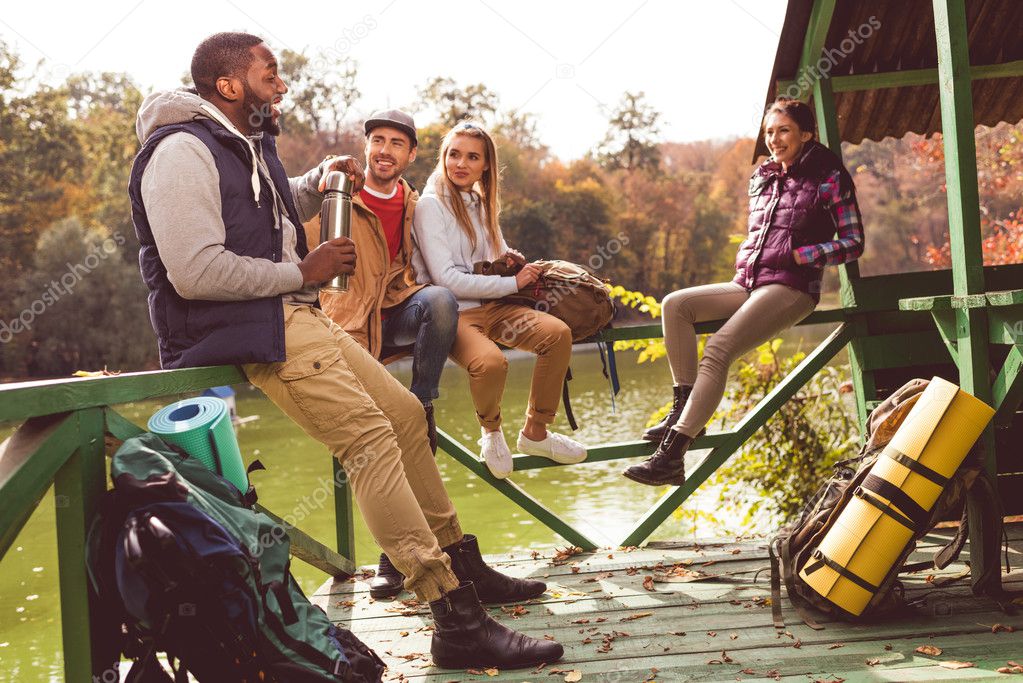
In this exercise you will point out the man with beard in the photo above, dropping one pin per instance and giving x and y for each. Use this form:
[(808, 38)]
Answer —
[(384, 309), (231, 282)]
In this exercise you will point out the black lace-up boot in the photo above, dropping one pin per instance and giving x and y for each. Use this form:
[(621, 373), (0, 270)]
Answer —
[(388, 582), (666, 465), (465, 636), (491, 586), (678, 404)]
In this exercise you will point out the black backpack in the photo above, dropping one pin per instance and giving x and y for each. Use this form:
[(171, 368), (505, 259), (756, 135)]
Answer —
[(180, 563)]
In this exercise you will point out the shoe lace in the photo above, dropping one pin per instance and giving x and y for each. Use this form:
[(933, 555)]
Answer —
[(385, 565)]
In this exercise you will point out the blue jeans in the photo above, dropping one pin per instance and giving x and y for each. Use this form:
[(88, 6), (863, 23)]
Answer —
[(428, 319)]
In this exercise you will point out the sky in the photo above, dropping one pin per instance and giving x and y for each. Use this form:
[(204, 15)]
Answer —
[(704, 65)]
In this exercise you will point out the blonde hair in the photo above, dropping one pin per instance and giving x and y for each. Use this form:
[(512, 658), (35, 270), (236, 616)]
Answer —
[(487, 186)]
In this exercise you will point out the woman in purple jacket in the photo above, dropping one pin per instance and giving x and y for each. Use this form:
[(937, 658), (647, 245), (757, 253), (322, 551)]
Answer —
[(798, 199)]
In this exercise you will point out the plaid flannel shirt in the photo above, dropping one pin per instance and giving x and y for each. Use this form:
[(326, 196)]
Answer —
[(849, 245)]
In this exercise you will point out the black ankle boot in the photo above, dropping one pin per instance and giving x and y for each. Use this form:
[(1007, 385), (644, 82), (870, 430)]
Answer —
[(465, 636), (678, 404), (491, 586), (388, 582), (666, 465), (431, 427)]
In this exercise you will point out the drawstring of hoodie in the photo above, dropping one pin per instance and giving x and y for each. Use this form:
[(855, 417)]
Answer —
[(217, 116)]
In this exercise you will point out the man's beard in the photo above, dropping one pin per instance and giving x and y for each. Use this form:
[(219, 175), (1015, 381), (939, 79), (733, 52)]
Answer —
[(260, 113)]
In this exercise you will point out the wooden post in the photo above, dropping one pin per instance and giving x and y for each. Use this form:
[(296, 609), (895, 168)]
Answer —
[(863, 381), (77, 488), (344, 520), (957, 125)]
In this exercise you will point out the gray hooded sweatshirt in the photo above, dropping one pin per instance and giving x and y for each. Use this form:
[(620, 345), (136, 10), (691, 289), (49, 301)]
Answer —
[(181, 193)]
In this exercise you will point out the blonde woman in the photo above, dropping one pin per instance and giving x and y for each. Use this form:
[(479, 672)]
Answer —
[(455, 226)]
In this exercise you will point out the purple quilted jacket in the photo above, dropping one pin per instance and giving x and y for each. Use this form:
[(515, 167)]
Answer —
[(788, 211)]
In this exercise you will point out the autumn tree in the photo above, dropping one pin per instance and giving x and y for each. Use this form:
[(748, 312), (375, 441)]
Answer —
[(631, 142), (454, 103)]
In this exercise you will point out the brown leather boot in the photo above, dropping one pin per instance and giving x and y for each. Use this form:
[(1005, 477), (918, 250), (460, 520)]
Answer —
[(681, 397), (492, 587), (666, 465), (465, 636)]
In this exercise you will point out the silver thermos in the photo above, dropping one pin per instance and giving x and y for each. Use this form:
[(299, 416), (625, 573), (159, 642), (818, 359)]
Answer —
[(336, 219)]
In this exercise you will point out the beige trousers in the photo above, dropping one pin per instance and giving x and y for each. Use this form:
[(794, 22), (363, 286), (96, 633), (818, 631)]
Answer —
[(342, 397), (480, 329), (753, 318)]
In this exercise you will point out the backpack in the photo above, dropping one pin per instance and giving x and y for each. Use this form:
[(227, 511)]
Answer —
[(565, 290), (180, 563), (795, 544)]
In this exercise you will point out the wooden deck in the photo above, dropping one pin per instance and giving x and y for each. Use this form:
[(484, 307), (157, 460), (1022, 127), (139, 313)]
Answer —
[(618, 626)]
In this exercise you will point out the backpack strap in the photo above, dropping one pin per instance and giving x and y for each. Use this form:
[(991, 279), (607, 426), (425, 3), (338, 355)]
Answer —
[(900, 498), (566, 402), (610, 369), (825, 561), (915, 466)]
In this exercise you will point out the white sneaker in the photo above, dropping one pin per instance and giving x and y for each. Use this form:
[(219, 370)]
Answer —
[(496, 453), (557, 447)]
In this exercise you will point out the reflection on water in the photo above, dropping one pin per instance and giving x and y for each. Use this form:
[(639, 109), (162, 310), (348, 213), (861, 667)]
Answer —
[(593, 498)]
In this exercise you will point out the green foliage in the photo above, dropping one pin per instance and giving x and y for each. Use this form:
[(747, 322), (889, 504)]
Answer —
[(454, 103), (85, 305), (787, 458)]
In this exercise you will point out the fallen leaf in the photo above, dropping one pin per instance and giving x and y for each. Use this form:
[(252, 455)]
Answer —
[(748, 672), (733, 636), (798, 644), (580, 621), (736, 551), (888, 648), (712, 634), (874, 661), (575, 570), (714, 661), (491, 672), (1010, 669), (1002, 627), (573, 676), (929, 650), (835, 646), (648, 583), (676, 633), (403, 634), (725, 658), (633, 617), (952, 664)]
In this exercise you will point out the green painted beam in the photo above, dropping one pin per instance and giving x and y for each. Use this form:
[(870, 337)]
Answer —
[(311, 551), (514, 492), (1005, 325), (946, 324), (653, 330), (813, 43), (613, 451), (119, 426), (29, 459), (1008, 386), (1013, 297), (903, 350), (22, 400), (77, 487), (746, 427), (911, 77), (940, 302)]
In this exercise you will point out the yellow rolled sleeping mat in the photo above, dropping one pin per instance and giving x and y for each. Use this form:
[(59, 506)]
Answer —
[(896, 497)]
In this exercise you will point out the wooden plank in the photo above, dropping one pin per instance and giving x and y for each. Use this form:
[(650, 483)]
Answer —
[(344, 515), (22, 400), (78, 485), (1011, 297), (1005, 325), (946, 324), (756, 418), (120, 427), (903, 350), (941, 302), (654, 330), (512, 491), (311, 551), (813, 45), (912, 77), (29, 459), (614, 451), (1008, 387)]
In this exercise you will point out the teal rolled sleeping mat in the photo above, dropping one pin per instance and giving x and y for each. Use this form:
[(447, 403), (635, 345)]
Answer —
[(202, 427)]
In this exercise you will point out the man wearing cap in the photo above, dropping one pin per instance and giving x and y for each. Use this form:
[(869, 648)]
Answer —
[(384, 309)]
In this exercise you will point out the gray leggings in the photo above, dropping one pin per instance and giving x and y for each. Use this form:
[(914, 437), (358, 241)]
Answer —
[(753, 318)]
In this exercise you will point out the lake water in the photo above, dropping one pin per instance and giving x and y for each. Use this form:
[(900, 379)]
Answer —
[(594, 498)]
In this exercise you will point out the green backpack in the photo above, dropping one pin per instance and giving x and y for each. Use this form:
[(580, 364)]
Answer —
[(180, 563)]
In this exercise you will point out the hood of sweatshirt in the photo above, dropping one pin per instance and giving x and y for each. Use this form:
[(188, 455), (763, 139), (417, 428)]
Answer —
[(181, 106), (430, 189)]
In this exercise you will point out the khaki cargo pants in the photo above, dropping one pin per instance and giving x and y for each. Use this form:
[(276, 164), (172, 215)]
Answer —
[(342, 397)]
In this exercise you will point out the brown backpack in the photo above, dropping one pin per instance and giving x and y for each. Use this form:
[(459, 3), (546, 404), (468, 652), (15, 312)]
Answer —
[(565, 290)]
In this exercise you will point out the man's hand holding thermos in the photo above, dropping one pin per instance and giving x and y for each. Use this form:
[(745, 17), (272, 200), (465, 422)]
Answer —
[(335, 255)]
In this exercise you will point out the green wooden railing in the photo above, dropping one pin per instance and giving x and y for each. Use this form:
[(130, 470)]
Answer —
[(67, 426)]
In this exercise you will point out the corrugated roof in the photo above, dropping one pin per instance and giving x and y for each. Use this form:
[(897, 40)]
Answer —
[(904, 40)]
